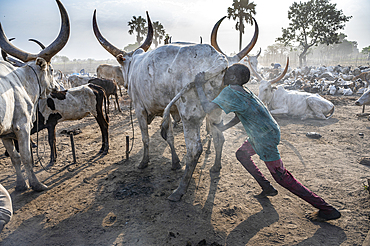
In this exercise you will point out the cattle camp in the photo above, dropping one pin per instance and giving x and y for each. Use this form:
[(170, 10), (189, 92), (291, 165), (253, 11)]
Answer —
[(184, 123)]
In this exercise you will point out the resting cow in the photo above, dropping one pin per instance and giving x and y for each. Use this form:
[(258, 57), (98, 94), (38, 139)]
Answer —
[(157, 76), (293, 103), (20, 89)]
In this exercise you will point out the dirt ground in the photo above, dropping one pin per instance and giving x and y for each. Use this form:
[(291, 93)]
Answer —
[(107, 200)]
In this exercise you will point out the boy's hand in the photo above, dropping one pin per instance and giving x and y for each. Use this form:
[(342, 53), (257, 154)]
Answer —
[(199, 79)]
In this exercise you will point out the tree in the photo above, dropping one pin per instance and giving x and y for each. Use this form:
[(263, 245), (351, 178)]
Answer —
[(313, 22), (159, 33), (241, 10), (137, 25)]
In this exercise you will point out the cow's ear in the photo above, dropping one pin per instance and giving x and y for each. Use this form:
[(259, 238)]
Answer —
[(120, 58), (42, 63)]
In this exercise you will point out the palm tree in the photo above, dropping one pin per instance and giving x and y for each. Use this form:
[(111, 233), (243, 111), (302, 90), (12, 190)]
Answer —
[(159, 33), (241, 10), (137, 25)]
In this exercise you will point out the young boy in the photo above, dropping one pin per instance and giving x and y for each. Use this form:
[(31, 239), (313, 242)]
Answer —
[(263, 138)]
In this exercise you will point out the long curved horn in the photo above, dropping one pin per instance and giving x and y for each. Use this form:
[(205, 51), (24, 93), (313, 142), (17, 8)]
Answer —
[(149, 37), (243, 52), (113, 49), (37, 42), (49, 51), (259, 53), (282, 74), (3, 53), (250, 46), (254, 71), (214, 35), (108, 46)]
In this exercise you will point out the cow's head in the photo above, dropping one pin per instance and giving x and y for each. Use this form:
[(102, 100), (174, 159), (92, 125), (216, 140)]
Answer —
[(124, 58), (40, 63), (242, 53), (365, 98), (252, 59), (265, 88)]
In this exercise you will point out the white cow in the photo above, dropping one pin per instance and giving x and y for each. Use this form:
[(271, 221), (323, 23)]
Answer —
[(107, 71), (77, 80), (294, 103), (20, 89), (153, 78)]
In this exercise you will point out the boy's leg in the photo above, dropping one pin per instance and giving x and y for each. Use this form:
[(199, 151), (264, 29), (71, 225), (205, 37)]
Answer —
[(286, 179), (244, 156)]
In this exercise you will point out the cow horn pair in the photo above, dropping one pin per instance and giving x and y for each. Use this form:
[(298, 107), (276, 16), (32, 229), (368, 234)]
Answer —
[(46, 53), (243, 52), (274, 80), (114, 50)]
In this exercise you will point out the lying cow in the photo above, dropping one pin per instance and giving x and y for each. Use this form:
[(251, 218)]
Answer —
[(294, 103), (20, 89), (365, 98)]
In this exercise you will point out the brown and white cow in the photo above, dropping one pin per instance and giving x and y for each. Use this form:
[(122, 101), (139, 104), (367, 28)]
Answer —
[(20, 89)]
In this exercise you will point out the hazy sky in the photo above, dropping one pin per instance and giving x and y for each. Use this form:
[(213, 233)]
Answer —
[(184, 20)]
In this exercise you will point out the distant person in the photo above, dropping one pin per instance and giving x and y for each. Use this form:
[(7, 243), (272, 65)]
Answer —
[(263, 138), (275, 65), (6, 209)]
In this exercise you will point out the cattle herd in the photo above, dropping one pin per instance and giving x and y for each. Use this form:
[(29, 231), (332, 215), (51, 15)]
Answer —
[(34, 97)]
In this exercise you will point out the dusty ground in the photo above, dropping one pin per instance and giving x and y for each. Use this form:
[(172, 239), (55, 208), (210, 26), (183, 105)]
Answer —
[(108, 201)]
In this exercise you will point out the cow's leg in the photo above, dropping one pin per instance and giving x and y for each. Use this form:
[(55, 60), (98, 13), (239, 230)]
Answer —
[(21, 184), (193, 152), (103, 124), (102, 121), (23, 135), (171, 142), (218, 142), (52, 144), (116, 96), (142, 117)]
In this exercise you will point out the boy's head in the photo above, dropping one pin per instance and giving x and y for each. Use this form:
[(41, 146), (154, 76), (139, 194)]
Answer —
[(237, 74)]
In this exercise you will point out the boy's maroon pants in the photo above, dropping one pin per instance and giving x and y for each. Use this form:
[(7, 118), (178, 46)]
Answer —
[(281, 176)]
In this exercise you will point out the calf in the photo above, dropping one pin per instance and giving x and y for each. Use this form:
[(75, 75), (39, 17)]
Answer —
[(110, 87), (73, 104)]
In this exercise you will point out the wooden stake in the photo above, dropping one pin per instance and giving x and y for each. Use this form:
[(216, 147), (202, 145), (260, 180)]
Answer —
[(73, 146), (127, 147)]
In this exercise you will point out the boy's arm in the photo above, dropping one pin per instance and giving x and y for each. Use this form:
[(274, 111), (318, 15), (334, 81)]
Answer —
[(230, 124), (208, 106)]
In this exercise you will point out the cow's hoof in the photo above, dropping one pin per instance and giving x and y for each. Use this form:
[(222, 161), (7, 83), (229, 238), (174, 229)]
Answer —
[(215, 169), (51, 163), (175, 196), (39, 187), (176, 165), (21, 187), (142, 165)]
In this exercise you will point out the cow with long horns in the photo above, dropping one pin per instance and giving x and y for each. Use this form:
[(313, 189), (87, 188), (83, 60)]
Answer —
[(20, 89), (293, 103), (154, 78)]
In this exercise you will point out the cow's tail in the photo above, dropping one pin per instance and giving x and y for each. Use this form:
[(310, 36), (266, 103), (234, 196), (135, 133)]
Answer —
[(105, 107), (330, 113), (166, 121)]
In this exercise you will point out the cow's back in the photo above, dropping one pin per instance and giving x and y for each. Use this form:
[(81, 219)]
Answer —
[(157, 76)]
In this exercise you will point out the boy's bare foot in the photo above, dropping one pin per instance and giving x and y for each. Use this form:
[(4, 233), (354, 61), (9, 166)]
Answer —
[(266, 193), (322, 215)]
